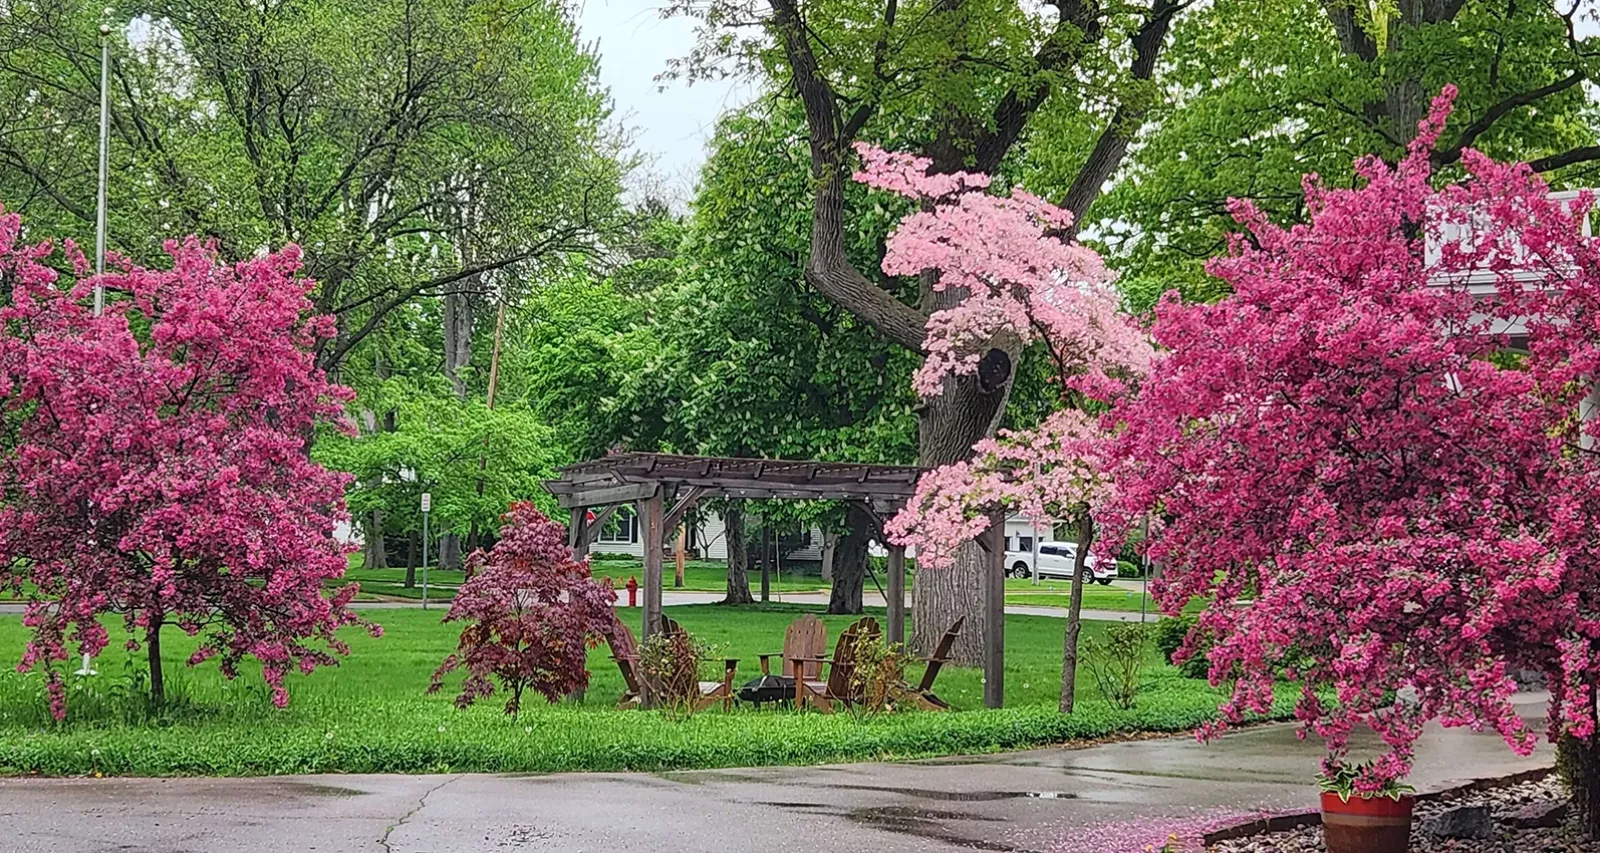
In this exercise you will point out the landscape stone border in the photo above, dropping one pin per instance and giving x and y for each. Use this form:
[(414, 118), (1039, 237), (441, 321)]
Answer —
[(1298, 820)]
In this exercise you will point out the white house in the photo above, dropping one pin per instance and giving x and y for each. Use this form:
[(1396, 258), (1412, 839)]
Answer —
[(621, 535)]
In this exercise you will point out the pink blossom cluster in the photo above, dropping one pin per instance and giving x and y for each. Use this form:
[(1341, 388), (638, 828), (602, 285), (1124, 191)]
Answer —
[(1015, 279), (1050, 472), (1347, 442), (533, 613), (154, 460)]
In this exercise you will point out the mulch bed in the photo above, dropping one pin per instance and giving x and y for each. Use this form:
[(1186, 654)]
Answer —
[(1516, 810)]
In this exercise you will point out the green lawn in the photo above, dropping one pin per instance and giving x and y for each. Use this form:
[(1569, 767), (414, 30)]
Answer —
[(1058, 594), (698, 576), (370, 713)]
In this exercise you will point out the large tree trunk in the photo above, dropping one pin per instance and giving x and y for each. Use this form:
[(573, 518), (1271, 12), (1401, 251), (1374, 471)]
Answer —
[(1579, 761), (850, 563), (949, 425), (458, 324), (411, 560), (1069, 644), (830, 543), (738, 555), (152, 649), (374, 554)]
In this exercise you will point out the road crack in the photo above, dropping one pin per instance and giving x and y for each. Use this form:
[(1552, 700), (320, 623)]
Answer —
[(422, 802)]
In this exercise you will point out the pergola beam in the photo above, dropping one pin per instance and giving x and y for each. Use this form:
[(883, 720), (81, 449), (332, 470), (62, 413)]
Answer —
[(682, 507), (570, 496)]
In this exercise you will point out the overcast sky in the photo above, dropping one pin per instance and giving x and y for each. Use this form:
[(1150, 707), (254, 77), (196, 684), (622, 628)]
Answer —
[(671, 121)]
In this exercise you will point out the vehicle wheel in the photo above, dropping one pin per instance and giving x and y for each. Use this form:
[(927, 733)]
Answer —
[(1088, 576), (1106, 581), (1020, 570)]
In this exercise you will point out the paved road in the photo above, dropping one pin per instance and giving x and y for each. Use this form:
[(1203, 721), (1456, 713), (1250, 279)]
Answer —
[(1104, 799)]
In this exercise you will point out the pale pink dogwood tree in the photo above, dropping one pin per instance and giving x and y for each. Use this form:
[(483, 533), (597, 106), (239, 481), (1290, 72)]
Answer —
[(154, 460), (1393, 471), (1017, 280)]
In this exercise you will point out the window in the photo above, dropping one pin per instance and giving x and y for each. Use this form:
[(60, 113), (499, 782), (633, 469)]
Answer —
[(1024, 543), (621, 528)]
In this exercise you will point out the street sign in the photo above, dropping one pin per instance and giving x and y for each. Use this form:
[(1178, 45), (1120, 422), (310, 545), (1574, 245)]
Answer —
[(427, 502)]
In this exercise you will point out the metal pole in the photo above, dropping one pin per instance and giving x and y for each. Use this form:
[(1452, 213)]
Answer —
[(1033, 525), (105, 136), (100, 208), (1144, 572), (424, 559)]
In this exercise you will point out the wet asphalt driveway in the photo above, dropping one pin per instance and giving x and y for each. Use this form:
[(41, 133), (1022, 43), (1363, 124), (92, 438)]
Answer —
[(1048, 800)]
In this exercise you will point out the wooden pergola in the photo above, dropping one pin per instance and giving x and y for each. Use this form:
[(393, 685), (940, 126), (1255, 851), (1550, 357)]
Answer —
[(665, 487)]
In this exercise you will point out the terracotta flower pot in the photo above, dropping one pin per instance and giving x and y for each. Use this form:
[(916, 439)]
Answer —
[(1366, 825)]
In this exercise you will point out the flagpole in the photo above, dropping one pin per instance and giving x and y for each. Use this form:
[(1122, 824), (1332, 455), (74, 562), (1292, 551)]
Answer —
[(100, 205), (105, 136)]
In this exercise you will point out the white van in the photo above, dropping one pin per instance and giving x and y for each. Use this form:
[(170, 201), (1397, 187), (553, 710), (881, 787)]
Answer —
[(1056, 560)]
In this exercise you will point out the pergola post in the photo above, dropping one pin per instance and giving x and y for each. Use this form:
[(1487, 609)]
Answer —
[(578, 532), (992, 543), (766, 560), (652, 515), (897, 593)]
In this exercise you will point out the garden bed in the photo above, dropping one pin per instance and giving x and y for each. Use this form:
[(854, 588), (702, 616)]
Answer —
[(1526, 817)]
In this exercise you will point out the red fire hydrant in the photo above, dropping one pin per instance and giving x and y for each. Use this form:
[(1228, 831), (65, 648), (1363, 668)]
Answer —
[(633, 592)]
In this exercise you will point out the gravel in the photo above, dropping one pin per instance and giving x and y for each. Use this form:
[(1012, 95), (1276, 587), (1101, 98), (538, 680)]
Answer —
[(1503, 803)]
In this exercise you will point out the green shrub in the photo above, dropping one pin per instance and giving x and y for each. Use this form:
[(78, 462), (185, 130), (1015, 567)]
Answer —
[(1170, 634), (1129, 569), (878, 675), (1116, 660)]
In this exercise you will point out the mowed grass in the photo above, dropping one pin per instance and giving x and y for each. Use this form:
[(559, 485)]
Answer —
[(698, 576), (371, 713), (1095, 596)]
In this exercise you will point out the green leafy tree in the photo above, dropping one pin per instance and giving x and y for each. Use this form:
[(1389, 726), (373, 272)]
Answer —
[(749, 361), (1268, 90), (413, 148)]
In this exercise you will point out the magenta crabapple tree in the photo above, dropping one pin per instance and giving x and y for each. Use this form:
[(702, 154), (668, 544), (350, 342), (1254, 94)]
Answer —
[(532, 614), (1392, 471), (1018, 281), (154, 461)]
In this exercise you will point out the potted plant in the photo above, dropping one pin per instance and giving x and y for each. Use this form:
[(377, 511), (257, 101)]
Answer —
[(1361, 817)]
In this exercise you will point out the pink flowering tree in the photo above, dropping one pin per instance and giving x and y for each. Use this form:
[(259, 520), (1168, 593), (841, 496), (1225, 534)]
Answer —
[(1379, 440), (1018, 281), (154, 461), (532, 614)]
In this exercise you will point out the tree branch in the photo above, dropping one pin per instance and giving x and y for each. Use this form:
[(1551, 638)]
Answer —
[(1353, 38), (827, 269), (1584, 154), (1112, 146), (1470, 134)]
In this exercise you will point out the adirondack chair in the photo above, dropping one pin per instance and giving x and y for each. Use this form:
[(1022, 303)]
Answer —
[(923, 692), (837, 688), (805, 640), (711, 692), (625, 651)]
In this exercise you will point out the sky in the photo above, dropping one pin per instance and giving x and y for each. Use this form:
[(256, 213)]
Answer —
[(671, 121)]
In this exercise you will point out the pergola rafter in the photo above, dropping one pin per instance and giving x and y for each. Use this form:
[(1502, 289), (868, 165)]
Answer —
[(655, 481)]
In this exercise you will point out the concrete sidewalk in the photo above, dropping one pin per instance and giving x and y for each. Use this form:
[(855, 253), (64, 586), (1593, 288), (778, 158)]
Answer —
[(1113, 798)]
